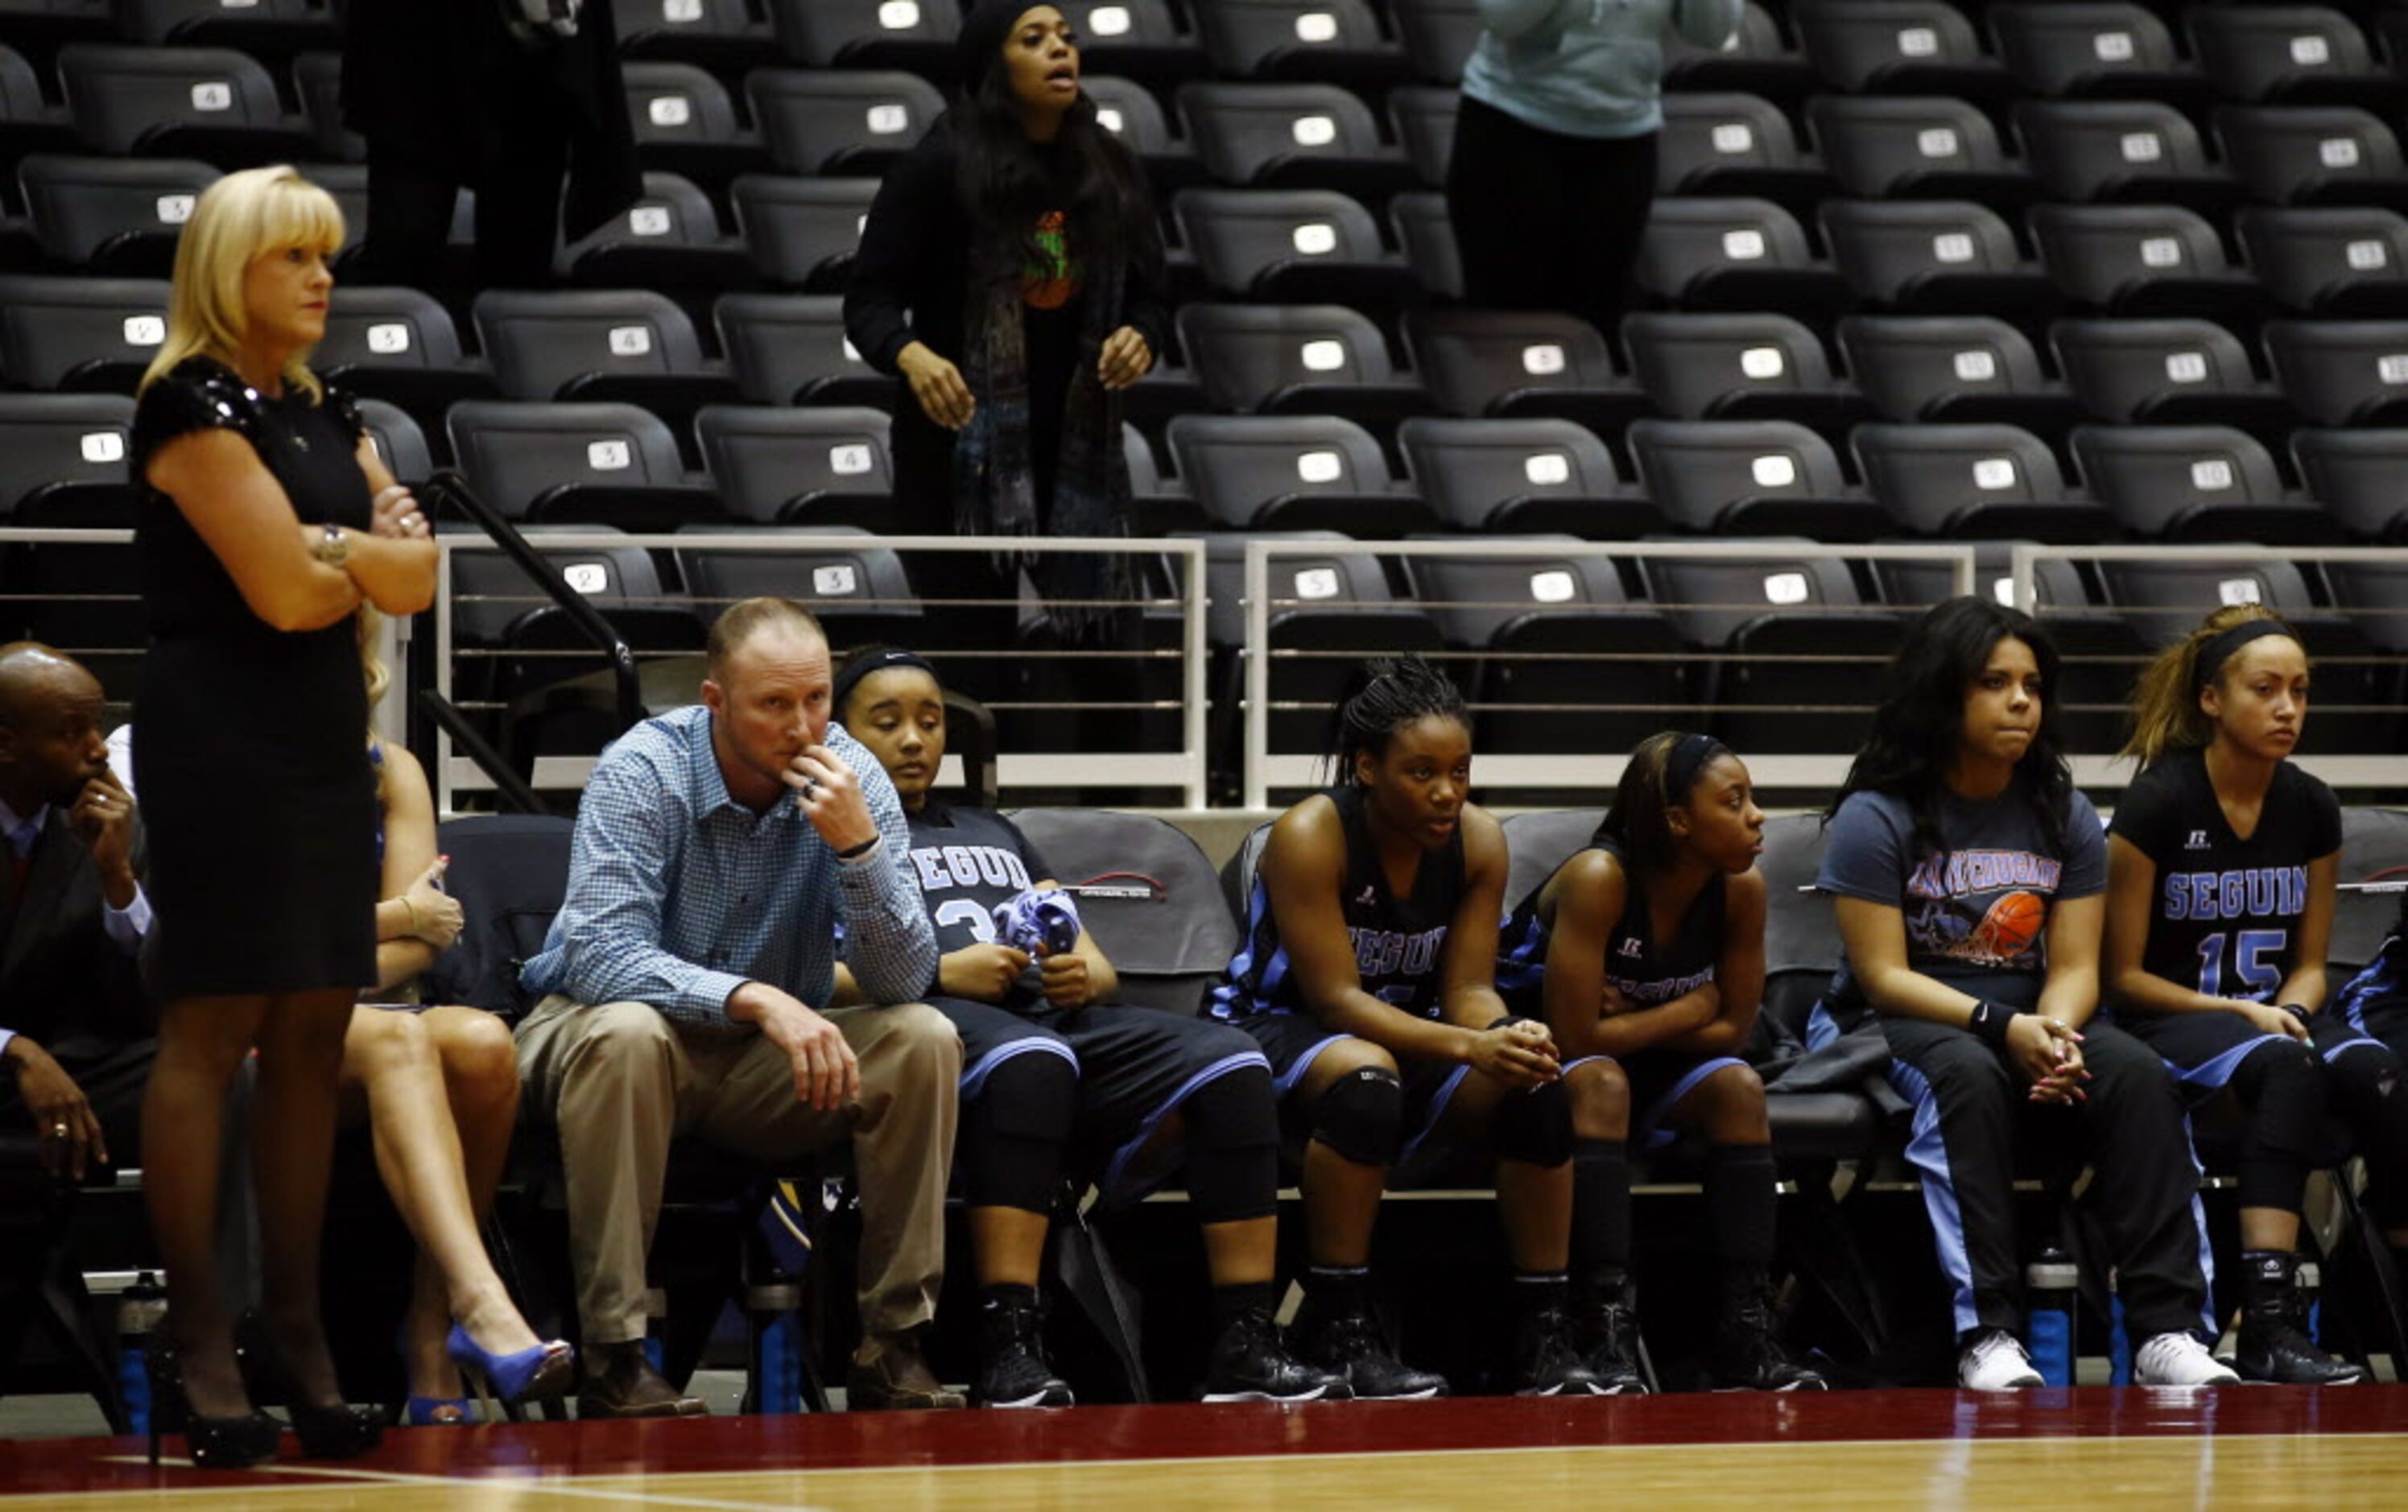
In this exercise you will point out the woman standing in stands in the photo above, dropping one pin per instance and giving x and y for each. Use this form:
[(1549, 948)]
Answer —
[(1553, 165), (1367, 976), (1011, 272), (2220, 871), (1054, 1070), (1968, 877), (1643, 954), (268, 521)]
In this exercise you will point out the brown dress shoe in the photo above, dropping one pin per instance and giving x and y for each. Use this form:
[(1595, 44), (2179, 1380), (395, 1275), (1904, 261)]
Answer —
[(621, 1383), (891, 1375)]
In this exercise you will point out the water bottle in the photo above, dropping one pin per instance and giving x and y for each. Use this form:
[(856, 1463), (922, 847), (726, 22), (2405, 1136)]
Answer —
[(2049, 1284), (142, 1308), (2120, 1347), (775, 1304), (2310, 1280)]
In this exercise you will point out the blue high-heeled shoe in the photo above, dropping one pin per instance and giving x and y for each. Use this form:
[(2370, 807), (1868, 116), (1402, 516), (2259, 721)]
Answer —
[(537, 1372), (427, 1412)]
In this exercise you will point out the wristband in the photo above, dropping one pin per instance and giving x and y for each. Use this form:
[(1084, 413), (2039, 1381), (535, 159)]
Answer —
[(2302, 1015), (855, 853), (1989, 1022)]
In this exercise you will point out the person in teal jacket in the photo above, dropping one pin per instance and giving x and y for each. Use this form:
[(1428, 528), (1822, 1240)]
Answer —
[(1553, 165)]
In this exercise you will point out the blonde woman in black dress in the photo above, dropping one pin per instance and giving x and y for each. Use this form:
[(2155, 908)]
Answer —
[(267, 521)]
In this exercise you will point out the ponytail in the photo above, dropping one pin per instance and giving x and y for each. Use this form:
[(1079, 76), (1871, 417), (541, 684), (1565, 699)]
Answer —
[(2165, 713)]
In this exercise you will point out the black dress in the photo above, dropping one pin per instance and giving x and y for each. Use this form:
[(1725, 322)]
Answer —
[(249, 744)]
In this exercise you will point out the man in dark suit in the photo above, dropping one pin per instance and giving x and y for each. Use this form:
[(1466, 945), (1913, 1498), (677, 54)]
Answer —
[(75, 1028)]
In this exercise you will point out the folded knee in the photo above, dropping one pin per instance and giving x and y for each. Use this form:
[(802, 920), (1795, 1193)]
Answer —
[(1361, 1115), (480, 1058), (923, 1036), (1535, 1126)]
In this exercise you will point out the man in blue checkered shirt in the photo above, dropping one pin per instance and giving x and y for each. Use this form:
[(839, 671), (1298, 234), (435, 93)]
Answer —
[(719, 850)]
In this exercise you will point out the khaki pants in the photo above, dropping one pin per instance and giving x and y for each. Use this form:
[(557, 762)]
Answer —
[(619, 1080)]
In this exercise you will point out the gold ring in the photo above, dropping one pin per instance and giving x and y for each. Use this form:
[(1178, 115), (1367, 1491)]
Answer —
[(58, 1130)]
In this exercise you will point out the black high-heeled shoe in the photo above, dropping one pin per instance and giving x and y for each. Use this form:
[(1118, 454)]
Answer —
[(327, 1430), (213, 1442)]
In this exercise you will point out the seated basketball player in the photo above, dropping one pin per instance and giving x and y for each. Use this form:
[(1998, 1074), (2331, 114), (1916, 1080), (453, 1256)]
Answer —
[(1368, 977), (1053, 1070), (2220, 872), (1644, 954), (1969, 879)]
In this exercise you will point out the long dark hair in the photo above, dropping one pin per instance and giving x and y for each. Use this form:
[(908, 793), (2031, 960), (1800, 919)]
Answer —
[(1005, 186), (1384, 696), (1916, 724), (1635, 821)]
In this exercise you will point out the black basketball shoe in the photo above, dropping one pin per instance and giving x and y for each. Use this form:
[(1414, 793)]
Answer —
[(1014, 1371), (1605, 1331), (1746, 1355), (1544, 1362), (1348, 1347), (1251, 1363)]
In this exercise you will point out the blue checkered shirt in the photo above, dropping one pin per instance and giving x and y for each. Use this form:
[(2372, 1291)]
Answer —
[(678, 895)]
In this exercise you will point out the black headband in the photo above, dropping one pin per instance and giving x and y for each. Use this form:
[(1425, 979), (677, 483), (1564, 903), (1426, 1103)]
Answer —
[(2216, 652), (868, 662), (1689, 756)]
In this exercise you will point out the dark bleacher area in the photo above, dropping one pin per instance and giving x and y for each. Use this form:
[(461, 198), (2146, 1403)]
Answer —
[(1920, 271)]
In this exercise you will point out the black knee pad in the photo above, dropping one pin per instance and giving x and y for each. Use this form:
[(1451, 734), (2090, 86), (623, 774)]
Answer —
[(1362, 1115), (1012, 1133), (1233, 1148), (1535, 1126), (2284, 1085)]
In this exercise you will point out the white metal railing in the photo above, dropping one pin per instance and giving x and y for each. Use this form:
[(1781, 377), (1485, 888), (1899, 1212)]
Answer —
[(2098, 770), (1183, 769), (1588, 773)]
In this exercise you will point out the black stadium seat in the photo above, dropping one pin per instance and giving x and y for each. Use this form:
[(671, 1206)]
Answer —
[(685, 123), (1898, 46), (819, 465), (1784, 645), (2355, 475), (1422, 117), (1437, 36), (1423, 229), (1750, 478), (2098, 51), (1937, 257), (1522, 476), (398, 441), (1737, 145), (2288, 55), (1330, 41), (2130, 152), (669, 240), (1522, 363), (1297, 359), (1293, 137), (721, 35), (611, 464), (1293, 246), (1978, 482), (1963, 369), (1737, 254), (2169, 372), (1542, 629), (65, 445), (209, 103), (1148, 895), (81, 334), (791, 349), (2328, 155), (840, 121), (857, 588), (2342, 261), (802, 231), (2343, 373), (1292, 472), (399, 344), (1749, 367), (2195, 483), (629, 346), (2147, 260), (1918, 147), (113, 217), (916, 37)]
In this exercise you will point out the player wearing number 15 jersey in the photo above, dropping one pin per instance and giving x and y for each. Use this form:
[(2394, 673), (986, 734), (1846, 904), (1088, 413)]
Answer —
[(2221, 863)]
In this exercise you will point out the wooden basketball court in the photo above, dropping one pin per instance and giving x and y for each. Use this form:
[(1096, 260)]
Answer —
[(2097, 1447)]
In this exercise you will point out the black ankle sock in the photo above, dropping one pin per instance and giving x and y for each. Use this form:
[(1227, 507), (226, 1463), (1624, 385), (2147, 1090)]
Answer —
[(1594, 1286), (1229, 1302), (1339, 1290), (1600, 1204), (1539, 1291), (1004, 1293), (1740, 1199)]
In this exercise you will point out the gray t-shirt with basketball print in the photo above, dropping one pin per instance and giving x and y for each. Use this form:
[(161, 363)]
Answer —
[(1977, 908)]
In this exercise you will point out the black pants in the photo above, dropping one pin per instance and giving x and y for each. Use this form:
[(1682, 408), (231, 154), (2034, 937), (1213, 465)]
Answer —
[(410, 199), (1547, 221), (1970, 1113)]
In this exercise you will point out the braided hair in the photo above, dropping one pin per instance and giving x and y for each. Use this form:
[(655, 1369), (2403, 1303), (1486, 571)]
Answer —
[(1387, 695)]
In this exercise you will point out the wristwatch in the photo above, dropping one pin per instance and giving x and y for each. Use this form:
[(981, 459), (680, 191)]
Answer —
[(333, 548)]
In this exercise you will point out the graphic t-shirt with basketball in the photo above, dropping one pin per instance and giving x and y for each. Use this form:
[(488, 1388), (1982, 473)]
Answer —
[(1976, 910), (2225, 920)]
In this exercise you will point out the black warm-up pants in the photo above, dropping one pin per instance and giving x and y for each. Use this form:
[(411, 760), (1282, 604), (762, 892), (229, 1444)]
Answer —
[(1547, 221), (1971, 1111)]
